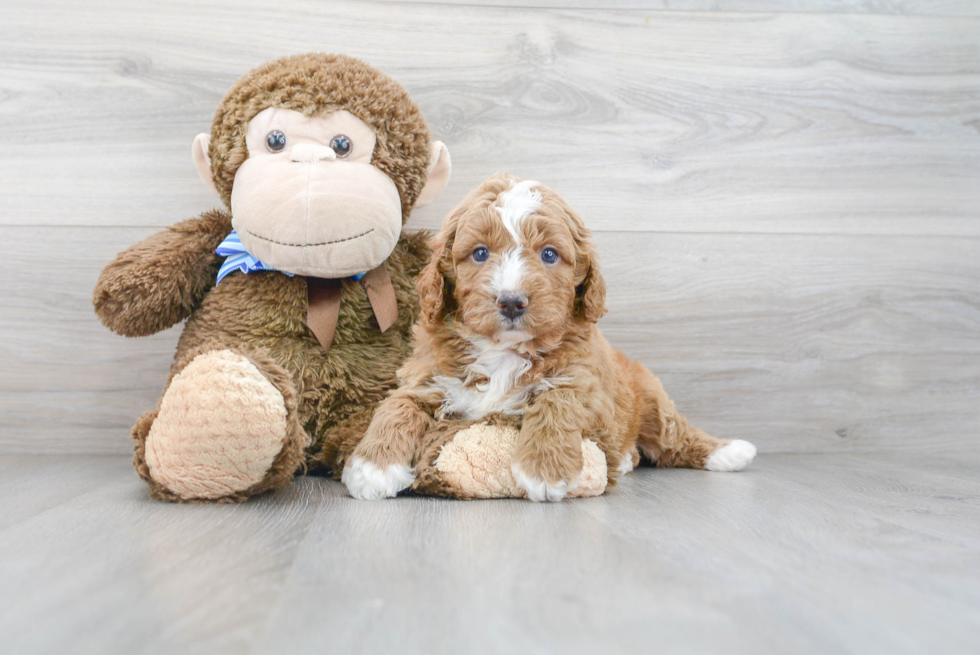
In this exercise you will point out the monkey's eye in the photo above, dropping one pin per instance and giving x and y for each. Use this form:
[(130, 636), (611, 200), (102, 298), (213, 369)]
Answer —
[(549, 255), (481, 254), (275, 141), (341, 145)]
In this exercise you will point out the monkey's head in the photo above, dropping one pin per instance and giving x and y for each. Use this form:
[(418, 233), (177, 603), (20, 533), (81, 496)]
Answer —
[(320, 159)]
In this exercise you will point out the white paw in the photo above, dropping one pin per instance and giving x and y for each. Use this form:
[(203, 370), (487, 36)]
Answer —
[(366, 481), (733, 456), (626, 463), (538, 490)]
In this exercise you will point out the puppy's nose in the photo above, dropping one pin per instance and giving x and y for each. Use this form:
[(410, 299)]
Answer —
[(512, 305)]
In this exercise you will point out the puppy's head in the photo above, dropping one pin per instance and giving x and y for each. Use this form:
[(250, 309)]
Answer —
[(513, 262)]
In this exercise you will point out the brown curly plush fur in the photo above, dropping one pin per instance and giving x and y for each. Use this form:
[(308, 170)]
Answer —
[(261, 316), (284, 466), (315, 84)]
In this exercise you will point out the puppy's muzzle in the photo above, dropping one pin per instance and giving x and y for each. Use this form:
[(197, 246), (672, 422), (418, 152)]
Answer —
[(512, 305)]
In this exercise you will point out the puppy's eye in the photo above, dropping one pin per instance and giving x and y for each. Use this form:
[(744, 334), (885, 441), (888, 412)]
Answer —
[(275, 141), (341, 145), (481, 254), (549, 255)]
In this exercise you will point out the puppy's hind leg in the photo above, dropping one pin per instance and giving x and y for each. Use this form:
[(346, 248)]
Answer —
[(669, 440)]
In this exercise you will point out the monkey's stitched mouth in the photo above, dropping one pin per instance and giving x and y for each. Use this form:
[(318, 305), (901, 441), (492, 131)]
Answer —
[(310, 245)]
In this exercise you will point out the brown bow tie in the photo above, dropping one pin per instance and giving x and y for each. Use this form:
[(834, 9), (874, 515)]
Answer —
[(324, 303)]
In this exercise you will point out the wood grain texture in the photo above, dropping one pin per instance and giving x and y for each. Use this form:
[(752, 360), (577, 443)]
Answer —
[(795, 342), (797, 554), (672, 121), (897, 7)]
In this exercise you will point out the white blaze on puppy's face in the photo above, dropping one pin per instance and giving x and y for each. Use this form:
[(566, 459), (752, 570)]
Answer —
[(509, 272), (513, 249), (514, 206), (517, 204)]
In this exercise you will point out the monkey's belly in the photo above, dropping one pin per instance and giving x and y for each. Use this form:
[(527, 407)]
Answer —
[(266, 312)]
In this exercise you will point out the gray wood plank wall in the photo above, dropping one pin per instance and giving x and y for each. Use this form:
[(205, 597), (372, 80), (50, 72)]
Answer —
[(785, 194)]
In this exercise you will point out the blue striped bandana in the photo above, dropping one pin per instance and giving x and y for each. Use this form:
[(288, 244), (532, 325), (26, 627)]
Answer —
[(237, 258)]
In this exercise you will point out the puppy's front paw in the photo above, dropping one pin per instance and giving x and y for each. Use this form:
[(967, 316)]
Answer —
[(733, 456), (367, 481), (537, 489)]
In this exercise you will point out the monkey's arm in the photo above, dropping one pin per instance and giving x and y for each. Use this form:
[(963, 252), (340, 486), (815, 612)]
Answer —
[(159, 281)]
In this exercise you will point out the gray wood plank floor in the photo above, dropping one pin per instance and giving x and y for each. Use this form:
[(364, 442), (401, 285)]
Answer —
[(799, 554)]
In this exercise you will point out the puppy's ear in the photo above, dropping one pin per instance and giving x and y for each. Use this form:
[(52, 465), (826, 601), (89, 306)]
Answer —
[(435, 290), (431, 284), (590, 295), (590, 289)]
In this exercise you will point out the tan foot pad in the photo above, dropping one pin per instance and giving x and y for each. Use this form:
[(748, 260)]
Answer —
[(220, 426), (477, 464)]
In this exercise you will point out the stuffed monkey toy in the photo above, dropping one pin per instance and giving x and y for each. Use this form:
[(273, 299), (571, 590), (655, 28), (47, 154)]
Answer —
[(298, 295)]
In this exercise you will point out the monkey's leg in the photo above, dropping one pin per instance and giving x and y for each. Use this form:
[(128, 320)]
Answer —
[(669, 440), (226, 428)]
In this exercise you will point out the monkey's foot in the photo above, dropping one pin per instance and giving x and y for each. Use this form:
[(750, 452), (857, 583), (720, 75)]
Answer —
[(476, 463), (224, 431)]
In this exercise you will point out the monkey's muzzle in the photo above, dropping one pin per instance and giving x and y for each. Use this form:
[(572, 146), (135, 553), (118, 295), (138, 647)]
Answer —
[(327, 219)]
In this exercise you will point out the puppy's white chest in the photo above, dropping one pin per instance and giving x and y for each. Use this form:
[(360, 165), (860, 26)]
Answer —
[(502, 368)]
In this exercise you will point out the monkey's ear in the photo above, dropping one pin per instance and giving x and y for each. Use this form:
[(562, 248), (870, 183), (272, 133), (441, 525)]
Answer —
[(440, 166), (202, 162)]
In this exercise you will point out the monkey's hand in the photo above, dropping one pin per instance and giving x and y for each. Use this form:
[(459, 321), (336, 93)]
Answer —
[(159, 281)]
